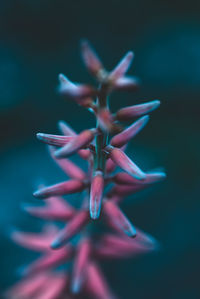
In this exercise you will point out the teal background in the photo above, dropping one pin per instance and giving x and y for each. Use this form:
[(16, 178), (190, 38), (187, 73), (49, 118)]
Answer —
[(38, 40)]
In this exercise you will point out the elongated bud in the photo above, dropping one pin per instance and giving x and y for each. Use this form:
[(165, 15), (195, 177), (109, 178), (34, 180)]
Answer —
[(122, 138), (106, 122), (36, 242), (54, 288), (28, 288), (123, 66), (69, 187), (123, 178), (96, 284), (56, 208), (122, 160), (125, 190), (65, 129), (96, 194), (126, 84), (80, 264), (71, 229), (68, 131), (90, 58), (130, 112), (56, 140), (49, 260), (80, 141), (117, 218), (76, 91), (116, 246), (110, 166)]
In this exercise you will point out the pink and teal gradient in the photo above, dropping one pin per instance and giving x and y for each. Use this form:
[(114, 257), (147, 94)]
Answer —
[(71, 257)]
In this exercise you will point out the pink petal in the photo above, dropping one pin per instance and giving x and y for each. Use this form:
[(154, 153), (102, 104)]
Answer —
[(56, 208), (76, 91), (117, 218), (110, 166), (90, 59), (96, 284), (50, 259), (105, 120), (29, 287), (67, 130), (54, 288), (69, 167), (122, 67), (36, 242), (69, 187), (79, 269), (56, 140), (115, 246), (80, 141), (151, 177), (96, 194), (130, 112), (71, 229), (125, 190), (122, 138), (126, 84), (121, 159)]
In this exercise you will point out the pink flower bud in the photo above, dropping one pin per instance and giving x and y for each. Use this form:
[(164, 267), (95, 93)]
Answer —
[(56, 140), (69, 187), (123, 66), (54, 288), (110, 166), (122, 160), (122, 138), (49, 260), (80, 141), (96, 284), (76, 91), (29, 287), (56, 208), (123, 178), (117, 218), (80, 264), (96, 194), (71, 229), (126, 84), (125, 190), (32, 241), (72, 170), (67, 130), (130, 112), (90, 59)]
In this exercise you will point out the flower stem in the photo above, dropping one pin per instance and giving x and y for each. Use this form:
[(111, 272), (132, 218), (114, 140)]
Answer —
[(102, 137)]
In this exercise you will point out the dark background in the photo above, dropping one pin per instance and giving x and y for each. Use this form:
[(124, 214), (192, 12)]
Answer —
[(38, 40)]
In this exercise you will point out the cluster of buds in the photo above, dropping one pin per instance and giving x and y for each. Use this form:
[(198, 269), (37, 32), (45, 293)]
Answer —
[(69, 264)]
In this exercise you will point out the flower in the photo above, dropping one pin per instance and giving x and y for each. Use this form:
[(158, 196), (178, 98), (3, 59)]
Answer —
[(103, 148)]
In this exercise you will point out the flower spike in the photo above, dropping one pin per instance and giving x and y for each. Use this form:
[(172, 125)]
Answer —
[(101, 186)]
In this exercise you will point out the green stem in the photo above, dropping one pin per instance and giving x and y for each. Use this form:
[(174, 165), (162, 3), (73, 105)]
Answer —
[(101, 139)]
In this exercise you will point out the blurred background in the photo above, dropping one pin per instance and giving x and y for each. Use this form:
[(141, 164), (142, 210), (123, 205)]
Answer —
[(38, 40)]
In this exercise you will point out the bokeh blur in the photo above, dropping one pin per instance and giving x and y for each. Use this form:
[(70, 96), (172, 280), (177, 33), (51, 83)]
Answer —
[(38, 40)]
